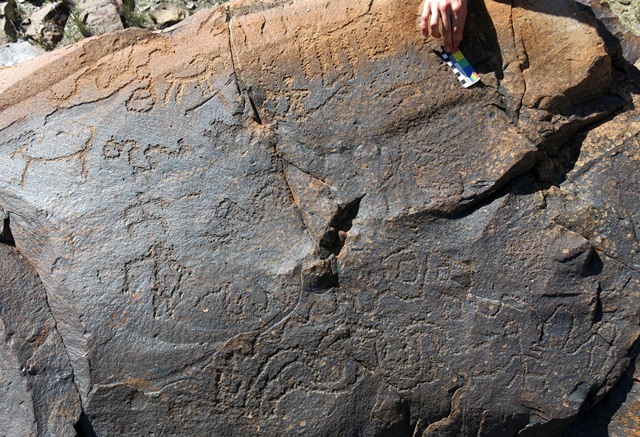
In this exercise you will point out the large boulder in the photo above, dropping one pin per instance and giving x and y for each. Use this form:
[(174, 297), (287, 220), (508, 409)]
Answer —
[(288, 218)]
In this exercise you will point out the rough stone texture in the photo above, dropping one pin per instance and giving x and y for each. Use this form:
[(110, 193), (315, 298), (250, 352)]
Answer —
[(46, 26), (15, 53), (16, 417), (38, 396), (625, 37), (288, 218), (7, 31), (625, 420), (617, 415), (101, 16), (609, 153), (166, 13), (628, 12)]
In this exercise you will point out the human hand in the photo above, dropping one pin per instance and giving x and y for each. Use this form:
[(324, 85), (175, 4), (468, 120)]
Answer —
[(452, 14)]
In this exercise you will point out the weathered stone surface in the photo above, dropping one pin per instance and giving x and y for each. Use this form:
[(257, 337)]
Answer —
[(36, 378), (578, 73), (101, 16), (167, 13), (625, 37), (16, 407), (288, 218), (15, 53), (7, 15), (617, 415), (625, 420), (605, 173), (46, 26)]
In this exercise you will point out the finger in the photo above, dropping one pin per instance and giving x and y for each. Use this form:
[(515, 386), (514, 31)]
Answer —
[(424, 21), (434, 22), (459, 18), (447, 32)]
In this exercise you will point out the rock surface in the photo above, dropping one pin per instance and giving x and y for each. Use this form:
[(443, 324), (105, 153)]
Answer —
[(623, 29), (15, 53), (99, 16), (38, 397), (7, 16), (47, 24), (288, 218), (51, 24), (167, 13), (609, 152), (617, 415)]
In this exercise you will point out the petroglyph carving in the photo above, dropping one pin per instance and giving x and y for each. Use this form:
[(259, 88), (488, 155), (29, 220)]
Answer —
[(110, 75), (196, 76), (290, 101), (145, 217), (113, 149), (142, 99), (214, 275), (76, 143), (410, 272), (142, 158), (125, 68), (159, 273), (337, 55), (407, 355), (114, 71), (405, 271), (449, 273)]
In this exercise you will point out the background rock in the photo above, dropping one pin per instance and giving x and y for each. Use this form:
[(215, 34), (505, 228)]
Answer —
[(285, 218), (7, 22), (622, 30), (24, 19), (166, 14), (15, 53), (17, 417), (629, 13), (94, 17), (100, 16), (47, 24), (606, 155)]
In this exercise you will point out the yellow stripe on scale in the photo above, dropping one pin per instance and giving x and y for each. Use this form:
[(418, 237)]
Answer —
[(460, 66)]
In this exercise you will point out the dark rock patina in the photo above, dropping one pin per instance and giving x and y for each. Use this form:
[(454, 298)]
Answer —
[(288, 218)]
